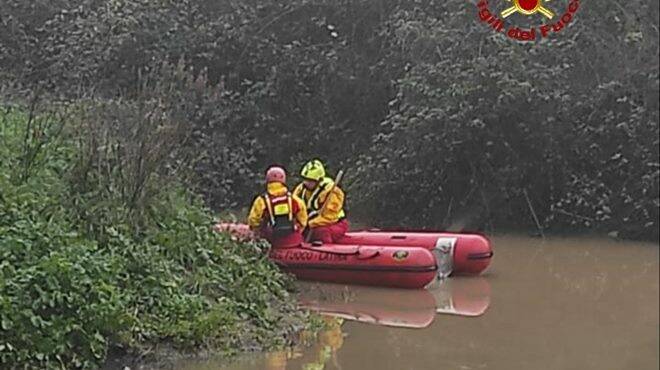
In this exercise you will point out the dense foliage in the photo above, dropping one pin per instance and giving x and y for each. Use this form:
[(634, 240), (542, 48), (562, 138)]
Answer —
[(413, 97), (87, 266)]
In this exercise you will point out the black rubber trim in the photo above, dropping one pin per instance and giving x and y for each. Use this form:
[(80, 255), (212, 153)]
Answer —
[(360, 268), (480, 256), (400, 237)]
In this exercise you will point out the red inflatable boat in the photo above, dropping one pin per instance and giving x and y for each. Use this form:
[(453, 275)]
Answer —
[(455, 253), (390, 266), (377, 265)]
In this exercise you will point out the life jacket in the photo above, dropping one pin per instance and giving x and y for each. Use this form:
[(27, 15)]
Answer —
[(280, 211), (312, 201)]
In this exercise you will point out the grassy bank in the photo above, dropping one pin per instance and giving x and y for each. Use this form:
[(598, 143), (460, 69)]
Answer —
[(82, 271)]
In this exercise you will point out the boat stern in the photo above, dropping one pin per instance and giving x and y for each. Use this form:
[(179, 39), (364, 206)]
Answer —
[(472, 255)]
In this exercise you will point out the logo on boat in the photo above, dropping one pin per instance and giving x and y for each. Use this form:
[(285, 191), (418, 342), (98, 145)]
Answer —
[(550, 21), (400, 255), (297, 255)]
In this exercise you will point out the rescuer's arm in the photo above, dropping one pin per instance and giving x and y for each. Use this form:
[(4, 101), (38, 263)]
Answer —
[(256, 213), (301, 216), (329, 214)]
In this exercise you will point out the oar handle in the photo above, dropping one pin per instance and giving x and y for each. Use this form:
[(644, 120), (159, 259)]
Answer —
[(340, 175)]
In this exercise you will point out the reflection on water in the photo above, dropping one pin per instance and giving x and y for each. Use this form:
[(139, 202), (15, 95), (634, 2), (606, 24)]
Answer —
[(324, 351), (390, 307), (553, 304), (401, 308), (462, 296)]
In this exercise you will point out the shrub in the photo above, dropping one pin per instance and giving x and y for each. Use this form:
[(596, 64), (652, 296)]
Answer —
[(507, 125), (73, 286)]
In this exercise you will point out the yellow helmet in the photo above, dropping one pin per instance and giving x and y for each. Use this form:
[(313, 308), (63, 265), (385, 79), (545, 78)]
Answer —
[(313, 170)]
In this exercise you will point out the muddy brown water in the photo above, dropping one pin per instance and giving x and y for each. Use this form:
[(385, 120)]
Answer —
[(543, 304)]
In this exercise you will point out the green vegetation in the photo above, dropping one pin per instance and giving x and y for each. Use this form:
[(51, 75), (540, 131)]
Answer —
[(418, 97), (83, 270), (117, 114)]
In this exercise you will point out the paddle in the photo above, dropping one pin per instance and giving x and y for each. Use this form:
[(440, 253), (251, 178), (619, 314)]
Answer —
[(340, 175)]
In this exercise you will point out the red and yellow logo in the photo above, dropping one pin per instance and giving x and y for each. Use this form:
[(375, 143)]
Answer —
[(400, 255), (528, 8)]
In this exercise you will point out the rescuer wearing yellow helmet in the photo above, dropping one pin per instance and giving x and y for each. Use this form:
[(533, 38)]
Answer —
[(326, 223)]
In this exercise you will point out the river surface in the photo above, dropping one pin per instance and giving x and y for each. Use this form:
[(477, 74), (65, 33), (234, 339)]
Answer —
[(543, 304)]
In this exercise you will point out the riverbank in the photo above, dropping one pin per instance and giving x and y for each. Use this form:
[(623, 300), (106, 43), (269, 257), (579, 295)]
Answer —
[(92, 264)]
